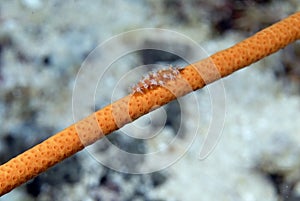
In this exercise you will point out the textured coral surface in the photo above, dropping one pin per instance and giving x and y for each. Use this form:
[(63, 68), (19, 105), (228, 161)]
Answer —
[(258, 149)]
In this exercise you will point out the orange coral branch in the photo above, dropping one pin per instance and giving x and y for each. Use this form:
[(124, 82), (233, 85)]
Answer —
[(74, 138)]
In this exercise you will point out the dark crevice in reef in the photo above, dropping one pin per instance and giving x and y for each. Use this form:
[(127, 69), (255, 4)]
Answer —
[(174, 118), (165, 51), (21, 138), (5, 42), (283, 187), (66, 172), (247, 16), (136, 186), (33, 187), (127, 143), (151, 56), (287, 71)]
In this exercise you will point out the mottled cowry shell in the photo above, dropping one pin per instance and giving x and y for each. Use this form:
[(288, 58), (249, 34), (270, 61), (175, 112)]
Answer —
[(155, 79)]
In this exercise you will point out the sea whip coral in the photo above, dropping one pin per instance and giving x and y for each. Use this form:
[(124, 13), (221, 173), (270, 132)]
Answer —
[(74, 138)]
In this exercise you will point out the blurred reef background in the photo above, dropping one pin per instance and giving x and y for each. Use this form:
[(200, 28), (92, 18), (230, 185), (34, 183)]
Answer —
[(43, 45)]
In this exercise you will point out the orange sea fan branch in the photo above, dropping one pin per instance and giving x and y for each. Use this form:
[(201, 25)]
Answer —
[(74, 138)]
